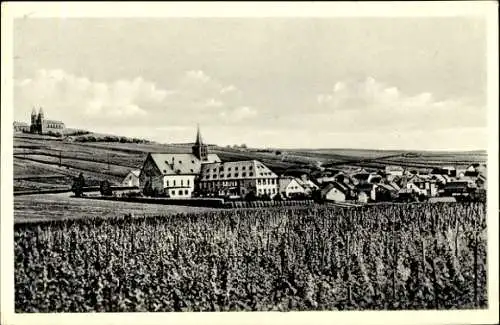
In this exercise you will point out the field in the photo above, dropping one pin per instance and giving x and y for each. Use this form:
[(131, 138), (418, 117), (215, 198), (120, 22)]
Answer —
[(39, 155), (322, 258), (46, 207)]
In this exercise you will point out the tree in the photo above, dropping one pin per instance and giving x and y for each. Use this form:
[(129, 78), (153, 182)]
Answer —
[(316, 196), (278, 197), (250, 196), (78, 185), (148, 189), (105, 188)]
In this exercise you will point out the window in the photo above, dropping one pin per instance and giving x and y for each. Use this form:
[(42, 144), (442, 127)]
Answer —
[(236, 168), (172, 193), (274, 190), (236, 175), (229, 168), (192, 161), (188, 182), (182, 182), (164, 171), (167, 183), (215, 176), (228, 175), (174, 182), (186, 192), (244, 174), (191, 170), (258, 181), (244, 167), (180, 161), (180, 192), (250, 167), (250, 174)]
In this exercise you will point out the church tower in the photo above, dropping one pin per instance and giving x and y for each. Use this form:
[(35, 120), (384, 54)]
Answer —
[(200, 149), (33, 120), (41, 117)]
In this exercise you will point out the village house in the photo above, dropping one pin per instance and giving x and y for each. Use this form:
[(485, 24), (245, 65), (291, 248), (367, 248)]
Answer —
[(446, 170), (393, 170), (175, 174), (132, 178), (459, 189), (291, 187), (308, 184), (386, 192), (422, 185), (237, 179), (336, 192), (366, 192)]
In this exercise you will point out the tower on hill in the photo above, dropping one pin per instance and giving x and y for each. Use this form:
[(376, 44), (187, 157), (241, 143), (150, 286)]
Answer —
[(200, 149)]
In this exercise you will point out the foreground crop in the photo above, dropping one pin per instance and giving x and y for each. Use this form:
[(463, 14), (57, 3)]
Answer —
[(391, 257)]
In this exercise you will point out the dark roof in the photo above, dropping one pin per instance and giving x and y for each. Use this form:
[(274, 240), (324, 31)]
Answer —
[(361, 176), (339, 186), (179, 163), (364, 187), (456, 185)]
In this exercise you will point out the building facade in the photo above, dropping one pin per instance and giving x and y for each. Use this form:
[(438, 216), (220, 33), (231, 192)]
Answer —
[(132, 178), (237, 179), (175, 174), (41, 125), (290, 187)]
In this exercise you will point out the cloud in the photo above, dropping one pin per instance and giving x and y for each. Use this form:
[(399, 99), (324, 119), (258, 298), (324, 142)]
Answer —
[(239, 114), (371, 104), (193, 97)]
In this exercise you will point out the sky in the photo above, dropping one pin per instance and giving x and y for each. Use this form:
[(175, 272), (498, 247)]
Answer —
[(358, 82)]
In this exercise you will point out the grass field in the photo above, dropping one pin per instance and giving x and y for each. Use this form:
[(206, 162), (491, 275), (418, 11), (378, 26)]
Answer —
[(43, 207), (322, 258)]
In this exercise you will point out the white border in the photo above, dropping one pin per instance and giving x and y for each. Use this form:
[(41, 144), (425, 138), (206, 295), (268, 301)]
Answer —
[(487, 9)]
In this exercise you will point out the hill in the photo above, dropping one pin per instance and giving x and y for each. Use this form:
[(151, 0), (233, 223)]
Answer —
[(44, 162)]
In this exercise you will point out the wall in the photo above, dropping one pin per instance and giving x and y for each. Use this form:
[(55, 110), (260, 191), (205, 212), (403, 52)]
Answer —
[(335, 195), (179, 185)]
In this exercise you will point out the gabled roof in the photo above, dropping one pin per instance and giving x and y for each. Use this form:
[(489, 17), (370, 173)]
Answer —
[(179, 163), (334, 185), (235, 169), (387, 187)]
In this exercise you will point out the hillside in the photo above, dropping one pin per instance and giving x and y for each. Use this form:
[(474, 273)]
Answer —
[(42, 162)]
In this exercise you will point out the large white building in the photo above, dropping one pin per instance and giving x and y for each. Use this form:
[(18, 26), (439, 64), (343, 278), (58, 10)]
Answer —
[(175, 174), (237, 179)]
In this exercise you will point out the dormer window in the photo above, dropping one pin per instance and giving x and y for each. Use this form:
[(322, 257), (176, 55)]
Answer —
[(180, 161)]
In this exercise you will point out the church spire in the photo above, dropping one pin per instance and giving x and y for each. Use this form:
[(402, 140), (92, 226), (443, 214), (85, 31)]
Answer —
[(200, 149), (199, 140)]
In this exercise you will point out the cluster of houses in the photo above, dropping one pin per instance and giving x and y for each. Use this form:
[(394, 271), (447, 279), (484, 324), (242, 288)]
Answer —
[(202, 174)]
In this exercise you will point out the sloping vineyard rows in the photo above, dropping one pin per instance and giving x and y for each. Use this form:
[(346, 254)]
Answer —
[(319, 258)]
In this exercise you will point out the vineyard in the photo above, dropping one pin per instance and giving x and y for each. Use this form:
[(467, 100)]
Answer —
[(300, 258)]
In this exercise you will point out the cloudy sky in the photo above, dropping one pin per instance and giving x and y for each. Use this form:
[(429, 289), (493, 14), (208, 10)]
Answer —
[(410, 83)]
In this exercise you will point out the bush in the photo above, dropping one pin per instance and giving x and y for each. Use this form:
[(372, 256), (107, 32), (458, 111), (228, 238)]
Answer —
[(105, 188)]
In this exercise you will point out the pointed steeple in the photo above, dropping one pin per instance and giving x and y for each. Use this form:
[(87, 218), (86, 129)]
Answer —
[(33, 111), (199, 149), (40, 112), (199, 140)]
